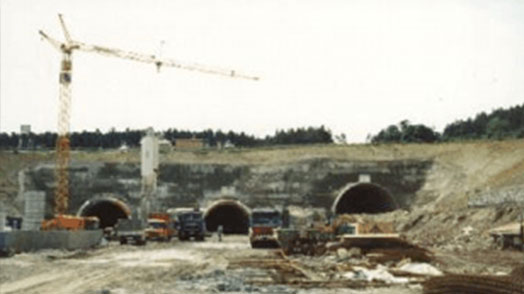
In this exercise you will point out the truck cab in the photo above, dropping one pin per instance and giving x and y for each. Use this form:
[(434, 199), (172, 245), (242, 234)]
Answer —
[(264, 222), (131, 231), (160, 227), (158, 230), (190, 223)]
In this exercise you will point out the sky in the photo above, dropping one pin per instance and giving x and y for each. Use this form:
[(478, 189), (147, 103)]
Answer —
[(354, 66)]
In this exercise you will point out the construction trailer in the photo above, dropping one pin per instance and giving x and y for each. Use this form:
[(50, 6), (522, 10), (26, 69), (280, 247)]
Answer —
[(509, 236)]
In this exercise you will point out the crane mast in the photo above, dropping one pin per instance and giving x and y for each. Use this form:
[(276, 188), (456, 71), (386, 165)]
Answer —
[(66, 48), (63, 143)]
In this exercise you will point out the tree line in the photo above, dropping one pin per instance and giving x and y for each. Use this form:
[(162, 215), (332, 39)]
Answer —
[(499, 124), (131, 138)]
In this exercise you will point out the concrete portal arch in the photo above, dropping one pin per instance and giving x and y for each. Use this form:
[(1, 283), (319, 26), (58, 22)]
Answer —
[(364, 198), (107, 209), (233, 215)]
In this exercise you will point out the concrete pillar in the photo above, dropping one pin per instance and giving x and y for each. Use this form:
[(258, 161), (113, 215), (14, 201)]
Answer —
[(34, 210), (2, 221)]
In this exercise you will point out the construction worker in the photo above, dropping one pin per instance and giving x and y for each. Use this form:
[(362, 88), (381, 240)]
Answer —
[(220, 230)]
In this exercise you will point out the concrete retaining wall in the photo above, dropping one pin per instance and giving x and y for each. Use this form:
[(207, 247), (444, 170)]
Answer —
[(311, 182), (24, 241)]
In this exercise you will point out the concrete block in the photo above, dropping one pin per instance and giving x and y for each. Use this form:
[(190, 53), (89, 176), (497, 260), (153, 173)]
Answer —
[(34, 210), (26, 241)]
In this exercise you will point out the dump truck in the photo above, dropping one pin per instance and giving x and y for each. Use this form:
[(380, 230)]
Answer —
[(70, 223), (160, 227), (131, 231), (189, 223), (264, 222)]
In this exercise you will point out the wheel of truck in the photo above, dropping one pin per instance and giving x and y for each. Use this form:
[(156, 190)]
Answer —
[(199, 238), (123, 241), (181, 236), (141, 242)]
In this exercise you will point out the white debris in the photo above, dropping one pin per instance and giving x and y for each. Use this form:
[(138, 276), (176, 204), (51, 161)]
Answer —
[(379, 274), (354, 252), (467, 230), (342, 253), (421, 269)]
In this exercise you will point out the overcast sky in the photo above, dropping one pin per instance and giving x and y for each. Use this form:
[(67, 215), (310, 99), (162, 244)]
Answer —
[(353, 66)]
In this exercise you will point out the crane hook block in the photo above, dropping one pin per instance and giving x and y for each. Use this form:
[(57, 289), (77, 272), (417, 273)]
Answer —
[(65, 78), (65, 72)]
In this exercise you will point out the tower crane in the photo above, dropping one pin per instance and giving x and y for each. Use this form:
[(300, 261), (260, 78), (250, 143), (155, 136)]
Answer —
[(66, 48)]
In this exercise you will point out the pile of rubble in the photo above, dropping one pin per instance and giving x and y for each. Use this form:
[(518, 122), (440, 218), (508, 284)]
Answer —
[(477, 284), (342, 268)]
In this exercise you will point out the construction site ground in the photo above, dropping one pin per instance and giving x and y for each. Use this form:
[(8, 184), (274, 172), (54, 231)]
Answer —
[(440, 219), (230, 266)]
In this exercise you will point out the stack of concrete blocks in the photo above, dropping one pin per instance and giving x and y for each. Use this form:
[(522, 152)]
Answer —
[(34, 210)]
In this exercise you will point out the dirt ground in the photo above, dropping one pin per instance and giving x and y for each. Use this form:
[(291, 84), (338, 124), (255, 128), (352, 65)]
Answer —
[(176, 267), (230, 266)]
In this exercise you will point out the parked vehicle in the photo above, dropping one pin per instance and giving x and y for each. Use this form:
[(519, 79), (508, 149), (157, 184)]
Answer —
[(131, 231), (264, 222), (160, 227), (189, 223)]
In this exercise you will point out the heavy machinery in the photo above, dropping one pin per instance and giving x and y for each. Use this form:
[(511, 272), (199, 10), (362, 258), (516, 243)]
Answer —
[(189, 222), (264, 222), (160, 227), (67, 48), (345, 229)]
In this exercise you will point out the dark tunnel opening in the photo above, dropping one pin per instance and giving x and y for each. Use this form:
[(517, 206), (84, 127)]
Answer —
[(364, 198), (107, 211), (232, 216)]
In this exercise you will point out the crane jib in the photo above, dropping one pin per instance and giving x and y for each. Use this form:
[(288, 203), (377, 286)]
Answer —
[(65, 78)]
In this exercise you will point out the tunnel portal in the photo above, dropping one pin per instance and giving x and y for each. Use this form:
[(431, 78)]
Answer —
[(108, 210), (364, 198), (231, 214)]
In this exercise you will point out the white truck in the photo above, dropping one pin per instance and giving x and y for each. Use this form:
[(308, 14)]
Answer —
[(131, 231)]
